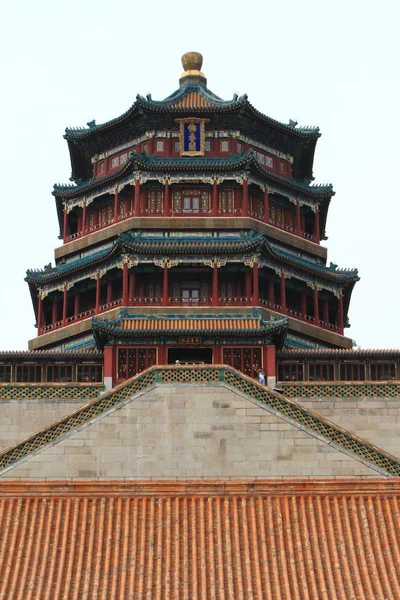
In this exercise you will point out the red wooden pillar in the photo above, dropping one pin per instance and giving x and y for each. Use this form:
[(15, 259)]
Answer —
[(326, 311), (54, 312), (316, 306), (214, 202), (269, 365), (283, 294), (217, 355), (65, 303), (266, 206), (40, 314), (271, 291), (109, 359), (303, 303), (256, 299), (215, 294), (65, 225), (116, 201), (245, 199), (316, 228), (165, 286), (341, 315), (166, 208), (137, 198), (125, 275), (84, 209), (98, 287), (77, 304), (298, 219), (109, 291), (248, 284), (132, 282)]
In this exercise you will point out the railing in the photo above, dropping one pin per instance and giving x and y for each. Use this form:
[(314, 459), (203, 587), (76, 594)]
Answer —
[(110, 304), (273, 305), (300, 315), (282, 406), (181, 301), (145, 300), (231, 300), (82, 315)]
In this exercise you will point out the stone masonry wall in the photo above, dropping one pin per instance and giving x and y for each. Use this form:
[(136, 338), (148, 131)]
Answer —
[(188, 431)]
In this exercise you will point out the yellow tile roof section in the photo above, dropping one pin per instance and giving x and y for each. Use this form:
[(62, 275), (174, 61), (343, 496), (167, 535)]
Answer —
[(192, 100), (250, 539), (208, 324)]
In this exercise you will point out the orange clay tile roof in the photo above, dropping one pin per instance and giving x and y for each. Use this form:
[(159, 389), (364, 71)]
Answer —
[(204, 539), (192, 100), (191, 324)]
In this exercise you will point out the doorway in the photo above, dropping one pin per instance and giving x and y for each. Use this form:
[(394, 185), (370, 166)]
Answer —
[(190, 355)]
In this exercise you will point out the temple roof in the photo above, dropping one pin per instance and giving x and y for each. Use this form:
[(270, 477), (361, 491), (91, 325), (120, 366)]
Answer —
[(338, 354), (50, 355), (244, 161), (180, 324), (141, 244), (248, 538)]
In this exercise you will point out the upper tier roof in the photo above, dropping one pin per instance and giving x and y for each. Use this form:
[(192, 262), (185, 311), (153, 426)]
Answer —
[(193, 98)]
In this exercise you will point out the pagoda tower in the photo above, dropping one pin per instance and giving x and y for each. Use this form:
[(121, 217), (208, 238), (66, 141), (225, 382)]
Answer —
[(191, 232)]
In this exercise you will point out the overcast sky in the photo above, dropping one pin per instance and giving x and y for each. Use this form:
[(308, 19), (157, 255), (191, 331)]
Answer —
[(334, 64)]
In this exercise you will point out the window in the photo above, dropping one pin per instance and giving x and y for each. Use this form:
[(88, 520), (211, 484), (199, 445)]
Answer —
[(246, 360), (102, 167), (5, 373), (177, 146), (59, 373), (207, 146), (27, 373), (134, 360), (291, 372), (238, 148), (282, 166), (191, 201), (159, 146), (226, 201), (190, 296), (89, 373), (225, 146), (191, 204), (383, 371), (118, 161), (321, 372), (352, 372)]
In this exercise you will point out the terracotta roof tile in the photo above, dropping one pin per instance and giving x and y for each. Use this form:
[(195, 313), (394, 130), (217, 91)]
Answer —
[(259, 539), (191, 324), (192, 100)]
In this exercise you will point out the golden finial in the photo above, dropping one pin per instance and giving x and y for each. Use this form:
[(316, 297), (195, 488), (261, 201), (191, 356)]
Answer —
[(192, 62)]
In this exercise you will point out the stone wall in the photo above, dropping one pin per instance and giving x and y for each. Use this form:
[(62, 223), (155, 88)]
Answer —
[(185, 431)]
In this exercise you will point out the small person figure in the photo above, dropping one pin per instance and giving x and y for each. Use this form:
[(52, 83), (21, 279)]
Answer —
[(261, 375), (177, 362)]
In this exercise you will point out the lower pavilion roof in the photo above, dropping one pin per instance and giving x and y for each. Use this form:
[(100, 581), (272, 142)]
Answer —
[(254, 539)]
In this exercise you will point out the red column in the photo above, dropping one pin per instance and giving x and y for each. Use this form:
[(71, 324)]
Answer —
[(109, 354), (54, 312), (84, 219), (283, 294), (341, 315), (266, 206), (77, 303), (316, 307), (39, 314), (65, 302), (316, 229), (303, 305), (217, 355), (166, 208), (326, 311), (269, 365), (116, 200), (214, 202), (256, 299), (98, 287), (137, 199), (165, 286), (161, 355), (65, 225), (132, 281), (109, 290), (298, 219), (245, 199), (271, 292), (125, 275), (215, 294), (248, 284)]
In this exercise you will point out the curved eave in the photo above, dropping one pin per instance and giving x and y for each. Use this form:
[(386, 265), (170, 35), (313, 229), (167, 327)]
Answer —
[(245, 161), (49, 355), (339, 354)]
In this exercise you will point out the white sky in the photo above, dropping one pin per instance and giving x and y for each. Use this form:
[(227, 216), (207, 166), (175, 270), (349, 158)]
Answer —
[(333, 64)]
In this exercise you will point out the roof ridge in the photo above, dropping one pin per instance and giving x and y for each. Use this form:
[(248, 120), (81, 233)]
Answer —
[(284, 407)]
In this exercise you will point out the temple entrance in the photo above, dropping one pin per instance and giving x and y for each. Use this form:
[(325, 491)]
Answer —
[(190, 355)]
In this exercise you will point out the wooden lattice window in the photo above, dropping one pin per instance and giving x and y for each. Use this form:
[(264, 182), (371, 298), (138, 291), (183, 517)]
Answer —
[(60, 373), (29, 373), (321, 372), (290, 372), (383, 371), (92, 373), (191, 201), (352, 372), (5, 373), (226, 201), (155, 203), (131, 361), (106, 215), (246, 360)]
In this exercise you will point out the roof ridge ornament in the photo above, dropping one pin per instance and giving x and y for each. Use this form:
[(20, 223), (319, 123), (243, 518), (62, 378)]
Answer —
[(192, 75)]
